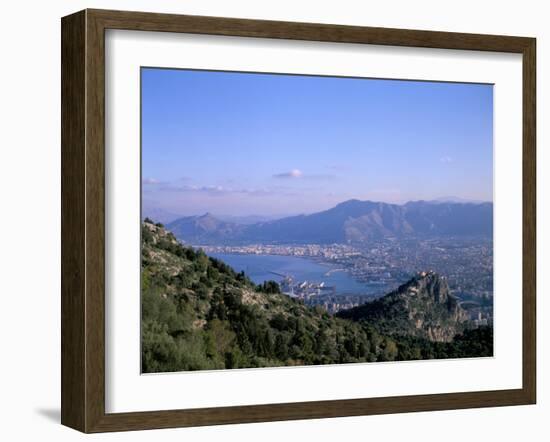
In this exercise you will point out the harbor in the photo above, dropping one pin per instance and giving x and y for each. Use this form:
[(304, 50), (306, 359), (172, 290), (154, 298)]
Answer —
[(298, 277)]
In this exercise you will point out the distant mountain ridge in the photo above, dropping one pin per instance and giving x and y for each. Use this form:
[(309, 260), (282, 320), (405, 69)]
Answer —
[(349, 221), (204, 229)]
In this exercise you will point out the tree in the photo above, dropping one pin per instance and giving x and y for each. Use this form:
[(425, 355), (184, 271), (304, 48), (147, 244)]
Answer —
[(390, 350), (269, 287), (219, 338), (281, 347)]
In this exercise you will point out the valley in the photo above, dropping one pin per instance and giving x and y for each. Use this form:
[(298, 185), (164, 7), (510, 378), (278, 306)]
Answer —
[(377, 247), (198, 312)]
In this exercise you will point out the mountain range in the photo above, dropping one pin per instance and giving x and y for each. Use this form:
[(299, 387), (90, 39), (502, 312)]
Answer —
[(348, 222)]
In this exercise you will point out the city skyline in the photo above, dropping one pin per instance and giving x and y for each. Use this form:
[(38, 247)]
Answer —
[(240, 144)]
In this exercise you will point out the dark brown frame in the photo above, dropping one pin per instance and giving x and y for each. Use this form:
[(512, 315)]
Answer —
[(83, 216)]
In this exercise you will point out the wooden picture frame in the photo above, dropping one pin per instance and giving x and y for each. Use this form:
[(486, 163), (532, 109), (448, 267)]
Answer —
[(83, 220)]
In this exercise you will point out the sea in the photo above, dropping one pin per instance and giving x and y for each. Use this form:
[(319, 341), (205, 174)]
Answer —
[(260, 268)]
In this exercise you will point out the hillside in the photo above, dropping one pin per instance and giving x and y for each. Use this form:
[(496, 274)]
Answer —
[(352, 220), (198, 313), (423, 307)]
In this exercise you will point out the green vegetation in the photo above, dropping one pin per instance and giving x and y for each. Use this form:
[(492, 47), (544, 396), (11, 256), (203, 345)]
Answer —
[(422, 307), (199, 314)]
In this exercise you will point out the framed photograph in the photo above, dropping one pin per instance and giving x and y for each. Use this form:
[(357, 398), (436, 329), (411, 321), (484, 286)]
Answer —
[(267, 220)]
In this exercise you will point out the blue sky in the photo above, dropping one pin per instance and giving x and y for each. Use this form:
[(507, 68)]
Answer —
[(260, 144)]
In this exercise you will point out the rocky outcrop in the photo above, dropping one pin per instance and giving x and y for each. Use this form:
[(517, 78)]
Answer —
[(423, 307)]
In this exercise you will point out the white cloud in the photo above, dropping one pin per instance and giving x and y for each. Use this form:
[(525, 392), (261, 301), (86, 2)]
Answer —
[(446, 159), (294, 173), (213, 190), (151, 181), (297, 173)]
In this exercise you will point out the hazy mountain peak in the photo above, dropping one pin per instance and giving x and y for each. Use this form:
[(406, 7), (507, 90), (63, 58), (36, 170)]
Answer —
[(354, 202), (207, 215), (350, 202)]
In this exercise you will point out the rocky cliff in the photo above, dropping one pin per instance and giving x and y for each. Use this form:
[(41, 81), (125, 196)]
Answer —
[(423, 307)]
